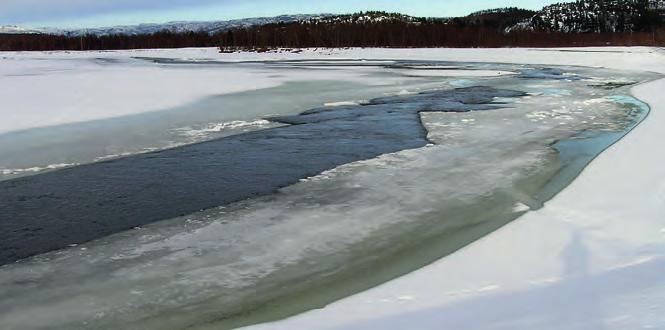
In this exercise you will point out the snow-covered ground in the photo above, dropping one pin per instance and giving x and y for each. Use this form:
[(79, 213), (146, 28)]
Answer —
[(592, 258), (94, 88), (97, 85), (165, 98)]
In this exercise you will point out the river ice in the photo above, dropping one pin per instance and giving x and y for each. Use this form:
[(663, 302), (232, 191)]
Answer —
[(345, 229)]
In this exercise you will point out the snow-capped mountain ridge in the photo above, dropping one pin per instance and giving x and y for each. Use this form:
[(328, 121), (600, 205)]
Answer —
[(212, 27), (12, 29), (175, 27), (567, 17)]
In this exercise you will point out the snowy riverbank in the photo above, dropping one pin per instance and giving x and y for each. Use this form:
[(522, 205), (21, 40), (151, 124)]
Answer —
[(592, 258), (93, 87)]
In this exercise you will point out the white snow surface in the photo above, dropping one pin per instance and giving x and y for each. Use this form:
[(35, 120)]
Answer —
[(89, 88), (592, 258), (42, 89)]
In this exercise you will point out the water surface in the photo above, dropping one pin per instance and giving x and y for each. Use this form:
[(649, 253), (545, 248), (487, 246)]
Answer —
[(380, 188)]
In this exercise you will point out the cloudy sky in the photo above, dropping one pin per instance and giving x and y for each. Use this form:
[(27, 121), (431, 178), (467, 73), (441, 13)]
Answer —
[(92, 13)]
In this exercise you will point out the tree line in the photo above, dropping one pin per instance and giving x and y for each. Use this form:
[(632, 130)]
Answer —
[(374, 29), (425, 34), (164, 39)]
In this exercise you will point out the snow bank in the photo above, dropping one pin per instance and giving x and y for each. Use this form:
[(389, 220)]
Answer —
[(52, 88), (629, 58), (592, 258), (84, 86)]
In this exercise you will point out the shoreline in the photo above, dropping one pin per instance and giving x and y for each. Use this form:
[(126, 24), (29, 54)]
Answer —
[(563, 255), (580, 265)]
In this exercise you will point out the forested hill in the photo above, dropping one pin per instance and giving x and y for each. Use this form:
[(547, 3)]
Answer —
[(579, 23), (598, 16), (499, 18), (494, 28)]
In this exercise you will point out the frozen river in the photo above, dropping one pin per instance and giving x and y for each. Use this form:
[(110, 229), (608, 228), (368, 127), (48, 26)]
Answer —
[(308, 191)]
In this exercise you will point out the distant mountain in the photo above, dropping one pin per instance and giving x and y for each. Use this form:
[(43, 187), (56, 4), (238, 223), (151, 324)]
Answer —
[(210, 27), (13, 29), (621, 22), (577, 16), (597, 16), (368, 17)]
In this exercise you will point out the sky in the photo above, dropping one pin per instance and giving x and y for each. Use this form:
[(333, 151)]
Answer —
[(96, 13)]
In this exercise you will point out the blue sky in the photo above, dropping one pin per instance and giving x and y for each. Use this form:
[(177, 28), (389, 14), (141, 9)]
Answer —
[(94, 13)]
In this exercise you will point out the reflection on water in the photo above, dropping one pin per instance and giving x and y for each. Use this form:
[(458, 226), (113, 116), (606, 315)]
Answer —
[(338, 232)]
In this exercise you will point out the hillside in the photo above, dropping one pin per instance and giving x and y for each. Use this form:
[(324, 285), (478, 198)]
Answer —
[(598, 16), (14, 29), (579, 23), (500, 18), (210, 27)]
